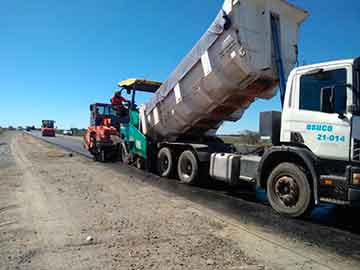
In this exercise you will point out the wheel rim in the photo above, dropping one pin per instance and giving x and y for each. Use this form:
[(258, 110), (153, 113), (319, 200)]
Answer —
[(186, 168), (287, 190), (164, 163)]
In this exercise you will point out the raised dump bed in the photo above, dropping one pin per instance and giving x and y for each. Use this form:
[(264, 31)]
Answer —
[(231, 65)]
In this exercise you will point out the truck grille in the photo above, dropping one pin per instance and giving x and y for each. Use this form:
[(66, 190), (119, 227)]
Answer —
[(356, 150)]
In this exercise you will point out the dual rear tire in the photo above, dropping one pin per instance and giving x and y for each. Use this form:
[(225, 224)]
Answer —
[(187, 165), (188, 168), (165, 162)]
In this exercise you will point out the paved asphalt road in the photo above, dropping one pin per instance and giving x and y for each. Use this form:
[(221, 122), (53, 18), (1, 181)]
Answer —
[(327, 214), (67, 142)]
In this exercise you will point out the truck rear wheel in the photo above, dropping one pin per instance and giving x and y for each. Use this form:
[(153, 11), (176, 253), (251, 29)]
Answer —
[(289, 191), (188, 168), (165, 162)]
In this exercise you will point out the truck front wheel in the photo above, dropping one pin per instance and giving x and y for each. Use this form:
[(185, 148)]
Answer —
[(289, 191), (188, 167)]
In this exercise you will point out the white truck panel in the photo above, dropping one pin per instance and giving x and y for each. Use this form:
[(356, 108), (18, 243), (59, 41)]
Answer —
[(226, 71)]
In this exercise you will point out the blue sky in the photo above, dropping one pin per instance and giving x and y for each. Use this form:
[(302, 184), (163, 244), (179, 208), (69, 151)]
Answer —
[(57, 57)]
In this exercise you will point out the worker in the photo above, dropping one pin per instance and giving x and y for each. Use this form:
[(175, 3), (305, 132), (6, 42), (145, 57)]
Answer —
[(107, 122), (117, 102)]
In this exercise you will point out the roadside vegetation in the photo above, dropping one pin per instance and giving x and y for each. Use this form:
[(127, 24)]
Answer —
[(2, 130), (246, 137), (78, 132), (246, 142), (75, 131)]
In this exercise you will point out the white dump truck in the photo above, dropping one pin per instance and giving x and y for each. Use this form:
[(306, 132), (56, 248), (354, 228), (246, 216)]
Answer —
[(249, 52)]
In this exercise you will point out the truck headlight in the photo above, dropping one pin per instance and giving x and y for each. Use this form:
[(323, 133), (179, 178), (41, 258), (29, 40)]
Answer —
[(356, 179)]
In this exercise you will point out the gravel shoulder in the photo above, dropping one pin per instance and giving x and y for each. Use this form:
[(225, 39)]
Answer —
[(51, 202)]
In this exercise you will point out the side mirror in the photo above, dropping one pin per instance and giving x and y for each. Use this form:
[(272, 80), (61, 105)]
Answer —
[(332, 102), (91, 108), (354, 109), (128, 91), (327, 100)]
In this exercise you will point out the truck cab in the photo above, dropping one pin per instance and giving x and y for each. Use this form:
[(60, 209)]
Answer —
[(48, 128), (319, 109), (100, 111), (319, 135)]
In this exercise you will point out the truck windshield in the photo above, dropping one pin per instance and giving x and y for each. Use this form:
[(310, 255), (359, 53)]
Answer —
[(48, 124), (105, 110)]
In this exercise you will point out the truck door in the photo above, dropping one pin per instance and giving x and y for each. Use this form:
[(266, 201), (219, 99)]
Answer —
[(316, 115), (356, 115)]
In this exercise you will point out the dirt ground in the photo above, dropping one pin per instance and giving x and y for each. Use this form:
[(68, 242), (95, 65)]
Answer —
[(62, 211)]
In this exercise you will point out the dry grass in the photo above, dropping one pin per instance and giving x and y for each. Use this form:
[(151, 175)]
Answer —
[(55, 154)]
